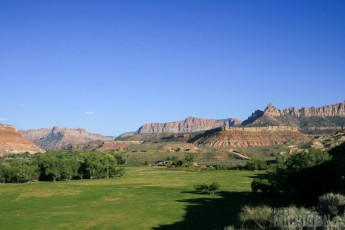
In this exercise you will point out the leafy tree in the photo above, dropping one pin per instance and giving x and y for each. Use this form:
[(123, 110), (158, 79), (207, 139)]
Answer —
[(189, 159), (302, 160), (297, 174), (91, 166), (52, 166), (17, 171), (48, 167), (256, 164), (120, 159), (263, 186)]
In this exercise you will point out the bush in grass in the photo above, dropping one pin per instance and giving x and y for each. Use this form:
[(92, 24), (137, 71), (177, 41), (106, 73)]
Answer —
[(332, 203), (205, 188), (256, 164), (201, 187), (213, 188)]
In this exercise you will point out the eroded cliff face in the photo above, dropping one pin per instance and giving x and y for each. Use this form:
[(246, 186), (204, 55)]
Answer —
[(323, 111), (12, 142), (330, 117), (60, 137), (35, 134), (189, 125), (336, 110), (252, 137)]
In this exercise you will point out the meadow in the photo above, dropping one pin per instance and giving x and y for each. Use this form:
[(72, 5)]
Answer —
[(144, 198)]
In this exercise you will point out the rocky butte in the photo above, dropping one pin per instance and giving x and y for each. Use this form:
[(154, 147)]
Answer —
[(57, 137), (189, 125), (12, 142)]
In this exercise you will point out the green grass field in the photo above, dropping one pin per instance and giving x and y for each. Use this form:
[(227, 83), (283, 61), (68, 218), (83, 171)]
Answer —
[(144, 198)]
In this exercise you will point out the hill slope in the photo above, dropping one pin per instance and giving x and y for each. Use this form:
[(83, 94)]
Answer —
[(12, 142), (251, 137)]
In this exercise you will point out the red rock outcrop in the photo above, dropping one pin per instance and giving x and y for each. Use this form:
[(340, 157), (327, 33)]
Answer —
[(12, 142), (189, 125)]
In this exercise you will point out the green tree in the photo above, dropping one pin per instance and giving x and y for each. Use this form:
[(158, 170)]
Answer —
[(48, 167), (302, 160), (189, 159), (256, 164)]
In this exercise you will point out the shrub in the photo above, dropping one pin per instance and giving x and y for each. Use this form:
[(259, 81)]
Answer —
[(256, 217), (201, 188), (265, 217), (210, 189), (256, 164), (337, 222), (189, 159), (332, 203), (213, 188)]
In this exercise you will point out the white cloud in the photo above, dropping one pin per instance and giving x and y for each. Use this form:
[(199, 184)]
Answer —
[(90, 113), (3, 119)]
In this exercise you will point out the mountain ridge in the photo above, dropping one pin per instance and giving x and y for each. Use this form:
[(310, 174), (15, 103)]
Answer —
[(330, 117)]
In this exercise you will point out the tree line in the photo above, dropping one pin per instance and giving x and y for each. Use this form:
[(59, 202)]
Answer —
[(57, 166)]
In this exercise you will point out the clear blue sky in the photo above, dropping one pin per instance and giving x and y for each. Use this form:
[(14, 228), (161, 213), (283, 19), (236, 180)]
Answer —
[(127, 63)]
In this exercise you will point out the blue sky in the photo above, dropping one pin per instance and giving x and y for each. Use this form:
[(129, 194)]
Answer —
[(111, 66)]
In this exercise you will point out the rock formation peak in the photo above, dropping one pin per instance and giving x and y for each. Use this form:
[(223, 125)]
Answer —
[(271, 110)]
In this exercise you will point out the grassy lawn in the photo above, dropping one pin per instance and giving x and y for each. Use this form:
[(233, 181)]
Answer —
[(144, 198)]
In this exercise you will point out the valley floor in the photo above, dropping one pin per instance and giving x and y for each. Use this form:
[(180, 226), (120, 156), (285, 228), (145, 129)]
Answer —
[(144, 198)]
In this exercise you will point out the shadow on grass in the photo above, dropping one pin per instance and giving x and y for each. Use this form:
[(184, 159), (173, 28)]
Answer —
[(219, 211)]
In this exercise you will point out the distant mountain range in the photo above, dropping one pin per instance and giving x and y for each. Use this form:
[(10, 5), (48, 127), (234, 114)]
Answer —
[(192, 130), (330, 117)]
